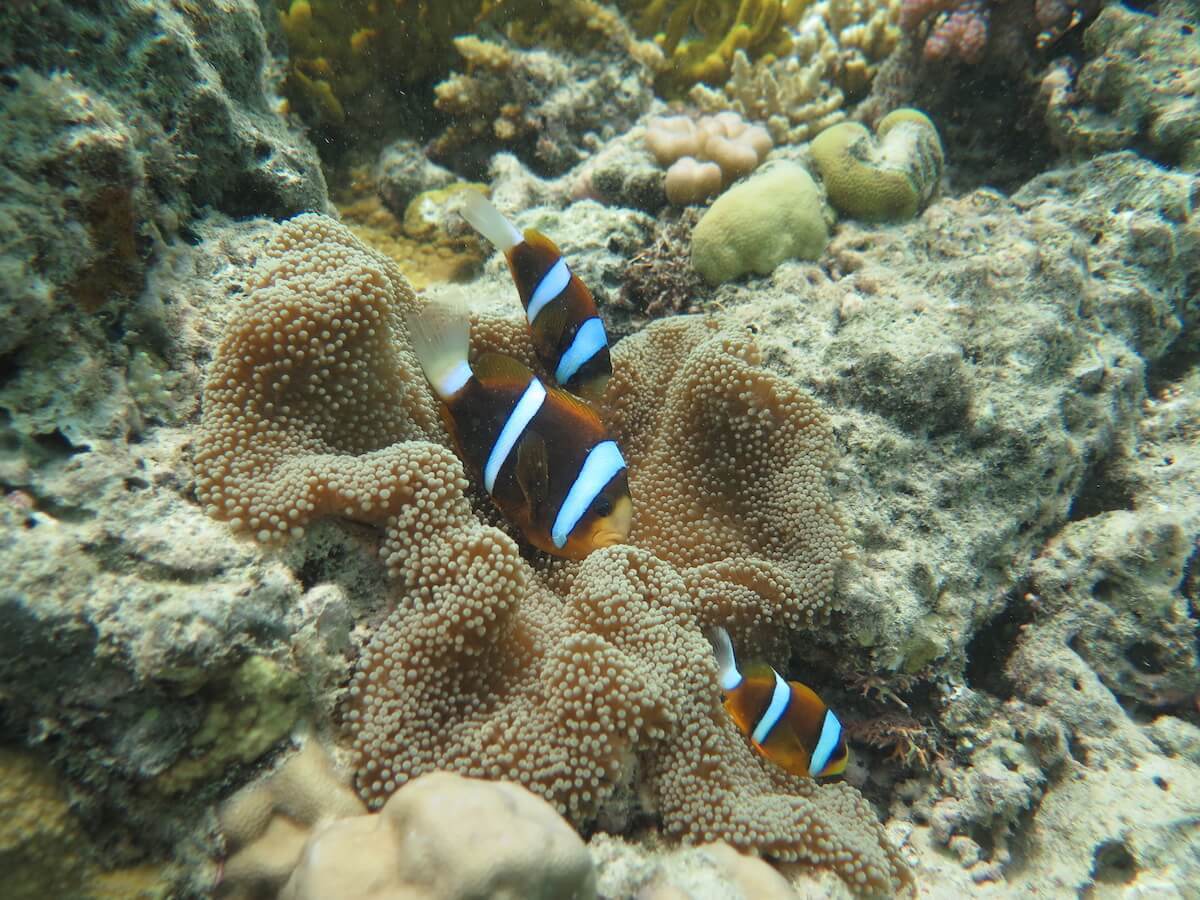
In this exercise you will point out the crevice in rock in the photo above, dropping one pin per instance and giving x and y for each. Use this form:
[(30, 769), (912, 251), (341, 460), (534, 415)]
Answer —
[(992, 645)]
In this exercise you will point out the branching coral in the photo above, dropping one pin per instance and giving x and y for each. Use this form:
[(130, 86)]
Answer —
[(591, 683), (910, 743), (836, 51)]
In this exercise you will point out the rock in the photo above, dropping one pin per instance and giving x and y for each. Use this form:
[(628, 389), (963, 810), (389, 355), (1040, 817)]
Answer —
[(445, 837)]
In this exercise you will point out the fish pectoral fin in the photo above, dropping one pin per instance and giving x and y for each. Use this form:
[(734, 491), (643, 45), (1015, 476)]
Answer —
[(551, 321), (533, 470)]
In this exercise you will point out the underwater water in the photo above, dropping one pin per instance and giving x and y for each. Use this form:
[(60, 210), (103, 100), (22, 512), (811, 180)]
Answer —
[(498, 448)]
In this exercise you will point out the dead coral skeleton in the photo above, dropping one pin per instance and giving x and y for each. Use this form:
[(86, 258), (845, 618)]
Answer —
[(912, 744), (660, 279)]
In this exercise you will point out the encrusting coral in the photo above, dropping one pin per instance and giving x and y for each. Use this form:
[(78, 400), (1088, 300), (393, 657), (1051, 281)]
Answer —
[(590, 683)]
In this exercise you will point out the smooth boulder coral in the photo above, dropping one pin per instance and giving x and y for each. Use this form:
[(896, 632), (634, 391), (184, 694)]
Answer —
[(445, 837), (753, 227), (888, 177)]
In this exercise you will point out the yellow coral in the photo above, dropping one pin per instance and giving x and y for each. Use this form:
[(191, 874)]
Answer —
[(759, 27), (836, 51), (889, 176)]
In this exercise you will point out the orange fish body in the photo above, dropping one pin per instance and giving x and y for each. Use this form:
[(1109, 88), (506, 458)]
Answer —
[(785, 720), (543, 455)]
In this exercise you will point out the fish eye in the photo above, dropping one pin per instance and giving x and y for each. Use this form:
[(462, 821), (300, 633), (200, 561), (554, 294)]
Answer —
[(602, 507)]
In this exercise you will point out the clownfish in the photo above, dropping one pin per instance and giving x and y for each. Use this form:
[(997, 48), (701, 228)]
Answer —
[(543, 456), (786, 721), (568, 335)]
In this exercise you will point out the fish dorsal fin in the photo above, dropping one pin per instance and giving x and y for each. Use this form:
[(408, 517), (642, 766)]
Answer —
[(757, 671), (535, 238), (533, 469), (500, 367)]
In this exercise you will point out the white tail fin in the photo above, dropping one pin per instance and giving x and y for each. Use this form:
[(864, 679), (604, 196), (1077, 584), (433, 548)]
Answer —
[(490, 222), (441, 338), (727, 670)]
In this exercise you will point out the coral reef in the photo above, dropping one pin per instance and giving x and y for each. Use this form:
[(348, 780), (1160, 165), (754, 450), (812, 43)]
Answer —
[(482, 668), (706, 155), (753, 227), (888, 177), (1006, 428), (1138, 88)]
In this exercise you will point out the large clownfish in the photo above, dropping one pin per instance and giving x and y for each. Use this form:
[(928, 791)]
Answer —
[(543, 456), (568, 335), (786, 721)]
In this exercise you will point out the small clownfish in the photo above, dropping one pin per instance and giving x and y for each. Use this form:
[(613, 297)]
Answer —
[(543, 456), (786, 721), (568, 335)]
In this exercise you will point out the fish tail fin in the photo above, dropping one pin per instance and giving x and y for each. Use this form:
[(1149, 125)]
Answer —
[(727, 669), (441, 338), (490, 222)]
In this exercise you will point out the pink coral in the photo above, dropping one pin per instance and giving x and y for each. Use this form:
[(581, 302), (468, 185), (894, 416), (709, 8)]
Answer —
[(961, 30)]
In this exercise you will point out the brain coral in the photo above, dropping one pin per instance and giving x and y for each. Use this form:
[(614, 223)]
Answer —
[(589, 682)]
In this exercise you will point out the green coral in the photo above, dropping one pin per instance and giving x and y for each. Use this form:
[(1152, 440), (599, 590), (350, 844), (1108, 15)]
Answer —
[(753, 227), (700, 37), (886, 177), (256, 709)]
